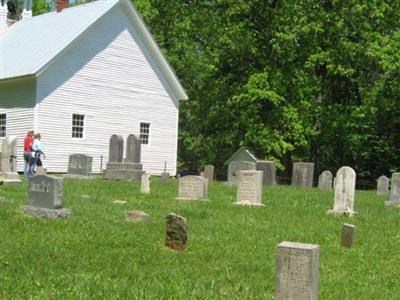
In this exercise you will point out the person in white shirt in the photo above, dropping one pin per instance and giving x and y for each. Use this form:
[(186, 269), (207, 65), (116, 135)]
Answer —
[(37, 152)]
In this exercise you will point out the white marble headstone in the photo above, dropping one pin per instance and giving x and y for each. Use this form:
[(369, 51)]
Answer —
[(249, 188), (344, 191), (193, 188)]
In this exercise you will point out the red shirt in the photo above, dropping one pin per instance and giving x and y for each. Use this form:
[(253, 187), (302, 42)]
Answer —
[(28, 143)]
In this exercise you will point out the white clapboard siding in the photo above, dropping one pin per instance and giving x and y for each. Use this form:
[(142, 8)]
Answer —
[(108, 76), (17, 100)]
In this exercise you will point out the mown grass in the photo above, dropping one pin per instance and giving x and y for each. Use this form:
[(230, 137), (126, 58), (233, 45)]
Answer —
[(96, 254)]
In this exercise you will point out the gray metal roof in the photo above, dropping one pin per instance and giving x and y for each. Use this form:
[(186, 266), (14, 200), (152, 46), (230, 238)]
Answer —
[(30, 45)]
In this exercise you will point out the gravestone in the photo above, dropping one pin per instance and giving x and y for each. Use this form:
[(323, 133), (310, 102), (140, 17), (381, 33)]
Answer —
[(348, 231), (130, 168), (79, 166), (269, 171), (9, 160), (325, 181), (303, 174), (136, 216), (40, 171), (209, 173), (238, 165), (297, 271), (394, 198), (382, 187), (344, 191), (46, 197), (165, 177), (249, 191), (145, 184), (193, 188), (176, 232)]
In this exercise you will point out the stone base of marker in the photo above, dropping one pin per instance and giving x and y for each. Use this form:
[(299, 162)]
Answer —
[(136, 216), (176, 232), (123, 171), (394, 200), (348, 231), (11, 178), (75, 176), (346, 212), (45, 212), (248, 203)]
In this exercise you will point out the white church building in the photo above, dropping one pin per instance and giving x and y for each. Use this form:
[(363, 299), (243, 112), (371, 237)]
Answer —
[(80, 74)]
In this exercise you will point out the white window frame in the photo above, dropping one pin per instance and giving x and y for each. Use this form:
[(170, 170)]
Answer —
[(3, 125), (77, 126), (142, 133)]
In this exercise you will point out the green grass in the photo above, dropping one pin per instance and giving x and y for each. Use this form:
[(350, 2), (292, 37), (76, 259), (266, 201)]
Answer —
[(96, 254)]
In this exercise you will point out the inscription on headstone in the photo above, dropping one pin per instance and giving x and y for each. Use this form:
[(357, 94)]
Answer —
[(297, 275), (394, 198), (325, 181), (239, 165), (303, 174), (249, 190), (344, 191), (269, 171), (382, 187), (46, 191), (193, 188)]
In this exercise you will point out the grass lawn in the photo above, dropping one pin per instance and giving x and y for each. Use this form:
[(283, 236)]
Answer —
[(96, 254)]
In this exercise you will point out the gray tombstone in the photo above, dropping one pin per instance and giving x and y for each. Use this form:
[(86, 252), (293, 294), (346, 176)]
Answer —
[(193, 188), (269, 171), (145, 184), (165, 177), (80, 164), (209, 173), (303, 174), (249, 191), (394, 198), (325, 181), (133, 149), (116, 150), (297, 271), (382, 187), (176, 232), (136, 216), (238, 165), (348, 231), (9, 160), (344, 191)]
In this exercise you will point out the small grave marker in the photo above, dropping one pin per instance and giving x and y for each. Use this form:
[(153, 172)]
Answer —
[(176, 232), (348, 231), (249, 191), (303, 174), (382, 187), (145, 184), (193, 188)]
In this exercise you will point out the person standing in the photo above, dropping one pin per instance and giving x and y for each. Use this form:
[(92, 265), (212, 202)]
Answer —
[(28, 142), (37, 152)]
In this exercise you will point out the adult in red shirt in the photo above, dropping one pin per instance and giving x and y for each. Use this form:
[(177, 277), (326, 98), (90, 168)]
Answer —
[(28, 141)]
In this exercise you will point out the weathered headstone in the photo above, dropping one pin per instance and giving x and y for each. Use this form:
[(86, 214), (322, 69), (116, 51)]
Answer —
[(46, 197), (394, 198), (193, 188), (382, 187), (145, 184), (249, 191), (133, 149), (209, 173), (136, 216), (325, 181), (297, 271), (40, 171), (176, 232), (79, 166), (165, 177), (348, 231), (303, 174), (116, 150), (344, 191), (238, 165), (269, 171), (9, 160)]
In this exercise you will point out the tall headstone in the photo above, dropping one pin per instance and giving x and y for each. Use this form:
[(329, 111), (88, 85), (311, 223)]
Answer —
[(176, 232), (325, 181), (145, 184), (79, 165), (193, 188), (133, 149), (46, 197), (394, 198), (344, 191), (382, 187), (348, 231), (297, 271), (249, 191), (269, 171), (303, 174), (238, 165), (9, 160), (165, 176), (209, 173), (116, 149)]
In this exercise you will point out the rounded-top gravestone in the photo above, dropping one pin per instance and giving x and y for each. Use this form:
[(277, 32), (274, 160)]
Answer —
[(133, 149), (116, 150)]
